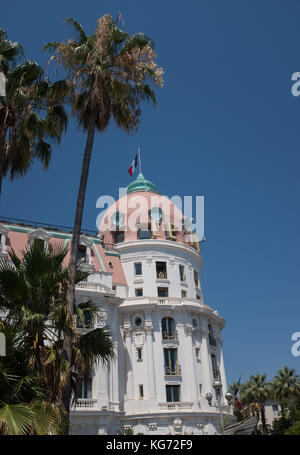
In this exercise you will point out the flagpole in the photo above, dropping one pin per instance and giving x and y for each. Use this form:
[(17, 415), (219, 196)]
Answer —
[(139, 155)]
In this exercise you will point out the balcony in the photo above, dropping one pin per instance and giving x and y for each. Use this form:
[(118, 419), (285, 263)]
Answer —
[(94, 287), (176, 406), (85, 403), (216, 375), (173, 335), (173, 370)]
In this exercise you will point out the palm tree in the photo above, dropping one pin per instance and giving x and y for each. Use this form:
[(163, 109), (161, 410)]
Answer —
[(257, 390), (286, 385), (110, 74), (31, 113), (24, 408), (33, 296)]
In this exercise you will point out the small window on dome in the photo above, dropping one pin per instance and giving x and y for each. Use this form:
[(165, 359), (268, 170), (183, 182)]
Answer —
[(145, 234), (117, 220)]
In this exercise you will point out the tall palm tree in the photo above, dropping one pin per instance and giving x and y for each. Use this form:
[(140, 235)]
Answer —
[(110, 73), (286, 385), (257, 390), (31, 112), (33, 296)]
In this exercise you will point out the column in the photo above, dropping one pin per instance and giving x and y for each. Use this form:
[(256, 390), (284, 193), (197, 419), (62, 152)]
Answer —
[(188, 330), (222, 366), (205, 359), (150, 356), (129, 366), (115, 379), (102, 385)]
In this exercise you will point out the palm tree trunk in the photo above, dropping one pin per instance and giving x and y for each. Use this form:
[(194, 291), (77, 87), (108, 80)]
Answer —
[(263, 418), (73, 255), (292, 410)]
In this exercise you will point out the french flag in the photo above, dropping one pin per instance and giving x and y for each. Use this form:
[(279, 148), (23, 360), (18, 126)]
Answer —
[(237, 396), (133, 165)]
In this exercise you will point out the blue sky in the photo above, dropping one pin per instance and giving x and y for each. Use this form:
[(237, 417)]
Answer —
[(226, 126)]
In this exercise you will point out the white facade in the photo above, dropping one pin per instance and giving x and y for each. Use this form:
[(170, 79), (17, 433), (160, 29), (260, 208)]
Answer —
[(131, 394)]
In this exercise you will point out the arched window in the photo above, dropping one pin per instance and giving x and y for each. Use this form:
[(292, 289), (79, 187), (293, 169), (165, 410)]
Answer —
[(168, 329)]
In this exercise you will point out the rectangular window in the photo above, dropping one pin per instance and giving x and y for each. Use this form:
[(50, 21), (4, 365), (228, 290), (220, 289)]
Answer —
[(139, 354), (81, 253), (85, 389), (196, 279), (118, 236), (171, 234), (216, 373), (182, 273), (162, 292), (183, 294), (138, 268), (200, 389), (86, 321), (171, 362), (39, 243), (144, 234), (141, 391), (161, 270), (197, 351), (173, 393), (139, 292)]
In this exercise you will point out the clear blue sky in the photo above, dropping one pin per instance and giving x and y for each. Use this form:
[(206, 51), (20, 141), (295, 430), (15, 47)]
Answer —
[(226, 127)]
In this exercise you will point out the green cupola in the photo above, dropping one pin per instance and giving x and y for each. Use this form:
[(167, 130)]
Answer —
[(141, 184)]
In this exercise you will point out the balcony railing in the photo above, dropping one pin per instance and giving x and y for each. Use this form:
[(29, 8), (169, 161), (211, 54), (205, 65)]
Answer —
[(173, 370), (174, 406), (95, 287), (216, 374), (85, 403), (172, 335)]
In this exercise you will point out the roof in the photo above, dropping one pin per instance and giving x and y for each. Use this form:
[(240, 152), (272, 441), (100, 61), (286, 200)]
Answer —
[(245, 427), (18, 238)]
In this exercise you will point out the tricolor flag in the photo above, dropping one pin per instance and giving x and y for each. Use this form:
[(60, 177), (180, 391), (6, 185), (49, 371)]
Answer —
[(133, 165), (236, 395)]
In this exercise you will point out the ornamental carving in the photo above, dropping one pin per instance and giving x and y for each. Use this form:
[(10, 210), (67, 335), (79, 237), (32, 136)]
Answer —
[(149, 330), (204, 332), (138, 338), (188, 329)]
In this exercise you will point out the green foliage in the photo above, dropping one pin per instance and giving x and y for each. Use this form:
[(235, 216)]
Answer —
[(32, 374)]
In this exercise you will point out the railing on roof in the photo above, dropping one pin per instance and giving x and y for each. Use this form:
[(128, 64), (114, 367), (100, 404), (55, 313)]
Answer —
[(47, 226)]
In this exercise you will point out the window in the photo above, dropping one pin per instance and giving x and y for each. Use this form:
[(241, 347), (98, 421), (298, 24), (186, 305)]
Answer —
[(139, 292), (161, 270), (139, 354), (198, 297), (216, 373), (173, 393), (197, 352), (39, 243), (171, 234), (182, 273), (183, 294), (171, 362), (117, 220), (162, 292), (118, 236), (200, 389), (138, 321), (144, 234), (275, 408), (212, 340), (138, 268), (81, 253), (141, 391), (196, 279), (85, 389), (87, 320), (168, 329)]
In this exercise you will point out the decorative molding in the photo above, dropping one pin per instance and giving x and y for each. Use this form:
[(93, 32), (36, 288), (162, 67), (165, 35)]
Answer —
[(149, 330), (188, 329), (138, 338)]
